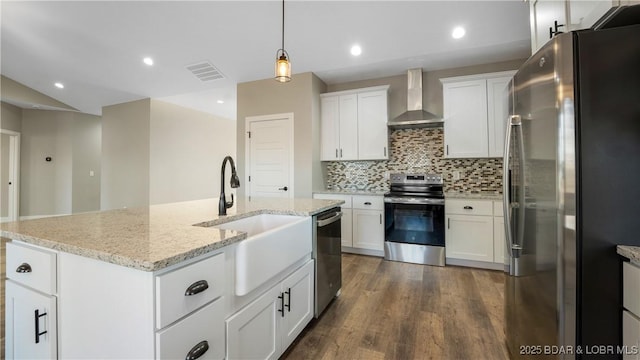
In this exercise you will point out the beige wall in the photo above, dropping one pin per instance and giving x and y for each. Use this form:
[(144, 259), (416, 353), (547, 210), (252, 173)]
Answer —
[(125, 155), (186, 150), (63, 185), (10, 117), (300, 97), (432, 88), (87, 148)]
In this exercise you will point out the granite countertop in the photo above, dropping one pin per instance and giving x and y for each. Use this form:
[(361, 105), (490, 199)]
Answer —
[(630, 252), (351, 192), (152, 238), (473, 196)]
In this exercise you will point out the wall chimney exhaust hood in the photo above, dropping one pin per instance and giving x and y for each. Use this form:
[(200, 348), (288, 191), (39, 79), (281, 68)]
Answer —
[(415, 116)]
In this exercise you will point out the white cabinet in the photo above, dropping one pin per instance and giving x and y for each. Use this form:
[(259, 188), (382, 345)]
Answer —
[(500, 250), (475, 113), (631, 311), (268, 325), (368, 225), (362, 223), (30, 323), (474, 233), (353, 124), (31, 303), (569, 15)]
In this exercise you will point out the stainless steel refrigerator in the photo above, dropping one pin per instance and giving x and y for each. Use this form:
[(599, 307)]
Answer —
[(572, 192)]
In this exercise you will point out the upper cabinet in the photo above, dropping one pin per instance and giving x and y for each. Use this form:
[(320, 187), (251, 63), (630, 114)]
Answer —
[(353, 124), (475, 113), (550, 17)]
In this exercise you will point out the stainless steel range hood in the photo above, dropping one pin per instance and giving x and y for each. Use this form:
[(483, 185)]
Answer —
[(415, 116)]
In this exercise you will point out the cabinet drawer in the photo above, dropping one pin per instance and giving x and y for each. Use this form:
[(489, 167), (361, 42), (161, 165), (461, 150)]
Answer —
[(368, 202), (32, 267), (204, 280), (345, 198), (631, 287), (498, 209), (202, 329), (468, 207)]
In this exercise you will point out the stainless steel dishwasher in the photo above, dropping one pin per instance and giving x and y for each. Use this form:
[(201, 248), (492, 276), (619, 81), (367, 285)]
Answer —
[(327, 252)]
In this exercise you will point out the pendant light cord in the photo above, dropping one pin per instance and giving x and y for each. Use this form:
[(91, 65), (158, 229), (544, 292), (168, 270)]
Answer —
[(282, 24)]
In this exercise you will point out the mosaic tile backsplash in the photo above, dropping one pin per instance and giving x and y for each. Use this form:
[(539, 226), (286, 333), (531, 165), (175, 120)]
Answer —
[(417, 150)]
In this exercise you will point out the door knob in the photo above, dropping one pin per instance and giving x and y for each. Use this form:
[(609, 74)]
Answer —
[(283, 188)]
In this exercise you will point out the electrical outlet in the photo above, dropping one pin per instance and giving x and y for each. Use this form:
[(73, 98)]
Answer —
[(386, 175), (456, 175)]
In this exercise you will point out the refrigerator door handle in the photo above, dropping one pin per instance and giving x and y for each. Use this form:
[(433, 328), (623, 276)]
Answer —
[(513, 120)]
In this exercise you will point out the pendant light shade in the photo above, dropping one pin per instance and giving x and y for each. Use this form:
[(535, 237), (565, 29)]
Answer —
[(283, 65)]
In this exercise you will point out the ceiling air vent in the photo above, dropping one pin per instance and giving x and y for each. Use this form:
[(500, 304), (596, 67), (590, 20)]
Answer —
[(205, 71)]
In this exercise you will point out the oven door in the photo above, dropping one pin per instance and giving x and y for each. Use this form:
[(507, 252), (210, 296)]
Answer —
[(414, 221)]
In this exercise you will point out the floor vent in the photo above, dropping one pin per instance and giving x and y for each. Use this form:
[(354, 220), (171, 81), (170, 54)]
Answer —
[(205, 71)]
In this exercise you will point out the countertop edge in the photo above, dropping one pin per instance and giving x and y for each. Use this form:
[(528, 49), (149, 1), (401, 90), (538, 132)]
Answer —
[(630, 252)]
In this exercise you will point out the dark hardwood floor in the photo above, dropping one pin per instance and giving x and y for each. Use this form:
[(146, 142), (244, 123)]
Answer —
[(392, 310)]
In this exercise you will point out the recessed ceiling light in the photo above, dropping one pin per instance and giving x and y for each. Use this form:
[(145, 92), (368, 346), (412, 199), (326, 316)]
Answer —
[(220, 101), (458, 32), (59, 85), (356, 50), (148, 61)]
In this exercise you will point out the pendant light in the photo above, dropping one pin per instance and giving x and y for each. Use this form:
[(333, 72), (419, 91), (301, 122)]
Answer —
[(283, 66)]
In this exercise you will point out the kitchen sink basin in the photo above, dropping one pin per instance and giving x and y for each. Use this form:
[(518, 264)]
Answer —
[(274, 243)]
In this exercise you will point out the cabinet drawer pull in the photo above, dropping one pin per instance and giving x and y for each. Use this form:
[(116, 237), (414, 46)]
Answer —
[(468, 207), (38, 333), (288, 305), (24, 268), (367, 203), (281, 310), (197, 287), (197, 350)]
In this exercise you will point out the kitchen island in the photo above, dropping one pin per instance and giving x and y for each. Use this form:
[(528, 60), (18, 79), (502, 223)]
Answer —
[(154, 282)]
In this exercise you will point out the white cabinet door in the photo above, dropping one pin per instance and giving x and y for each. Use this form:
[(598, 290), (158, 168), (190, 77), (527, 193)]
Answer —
[(348, 149), (298, 291), (543, 15), (499, 245), (347, 227), (497, 112), (465, 119), (373, 135), (630, 334), (469, 237), (329, 128), (368, 229), (252, 333), (30, 335)]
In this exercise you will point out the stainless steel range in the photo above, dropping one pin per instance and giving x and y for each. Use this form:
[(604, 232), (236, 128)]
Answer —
[(414, 219)]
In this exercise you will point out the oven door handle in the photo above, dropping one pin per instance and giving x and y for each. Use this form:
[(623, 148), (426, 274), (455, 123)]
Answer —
[(399, 200), (330, 220)]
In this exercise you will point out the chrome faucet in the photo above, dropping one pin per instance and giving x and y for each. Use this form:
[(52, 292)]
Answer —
[(223, 205)]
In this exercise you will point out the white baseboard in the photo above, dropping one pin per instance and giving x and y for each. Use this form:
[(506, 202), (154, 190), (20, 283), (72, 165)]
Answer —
[(368, 252), (475, 264), (32, 217)]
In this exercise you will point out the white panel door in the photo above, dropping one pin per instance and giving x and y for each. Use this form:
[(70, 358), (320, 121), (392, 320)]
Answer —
[(30, 335), (373, 135), (469, 237), (497, 112), (270, 155), (329, 128), (252, 333), (9, 175), (298, 292), (348, 127), (368, 229), (465, 123)]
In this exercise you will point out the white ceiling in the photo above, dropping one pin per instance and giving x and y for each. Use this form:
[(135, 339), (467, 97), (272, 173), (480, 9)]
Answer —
[(96, 48)]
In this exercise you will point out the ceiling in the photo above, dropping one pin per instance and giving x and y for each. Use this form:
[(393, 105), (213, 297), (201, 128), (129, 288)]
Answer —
[(96, 48)]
